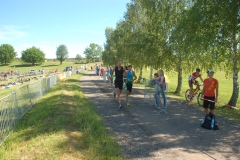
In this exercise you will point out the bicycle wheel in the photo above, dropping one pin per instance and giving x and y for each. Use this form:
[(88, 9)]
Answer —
[(199, 99), (187, 95)]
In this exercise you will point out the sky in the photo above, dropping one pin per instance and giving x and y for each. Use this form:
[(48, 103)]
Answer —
[(46, 24)]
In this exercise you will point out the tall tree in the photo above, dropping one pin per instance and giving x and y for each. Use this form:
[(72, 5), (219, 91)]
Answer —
[(7, 53), (93, 51), (78, 57), (33, 55), (62, 53), (216, 25)]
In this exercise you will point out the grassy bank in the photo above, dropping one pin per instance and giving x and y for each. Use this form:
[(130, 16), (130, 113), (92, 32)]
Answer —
[(62, 125)]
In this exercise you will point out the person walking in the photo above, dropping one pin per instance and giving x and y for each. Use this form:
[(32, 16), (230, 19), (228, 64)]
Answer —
[(119, 71), (129, 81), (210, 93), (162, 83)]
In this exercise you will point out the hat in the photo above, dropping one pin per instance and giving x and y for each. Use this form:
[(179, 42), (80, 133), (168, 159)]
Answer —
[(210, 71)]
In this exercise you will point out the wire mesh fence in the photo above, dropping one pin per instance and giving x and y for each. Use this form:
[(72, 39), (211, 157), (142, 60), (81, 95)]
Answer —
[(15, 105)]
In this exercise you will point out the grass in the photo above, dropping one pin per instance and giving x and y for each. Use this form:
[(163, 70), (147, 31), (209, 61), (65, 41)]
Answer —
[(225, 91), (62, 125), (48, 66)]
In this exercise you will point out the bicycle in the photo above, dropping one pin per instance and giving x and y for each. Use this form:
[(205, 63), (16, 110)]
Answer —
[(196, 92)]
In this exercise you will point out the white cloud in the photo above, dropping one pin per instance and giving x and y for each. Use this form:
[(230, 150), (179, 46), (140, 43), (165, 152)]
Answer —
[(11, 33)]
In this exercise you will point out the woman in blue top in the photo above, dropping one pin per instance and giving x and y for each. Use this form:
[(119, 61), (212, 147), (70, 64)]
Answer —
[(129, 81)]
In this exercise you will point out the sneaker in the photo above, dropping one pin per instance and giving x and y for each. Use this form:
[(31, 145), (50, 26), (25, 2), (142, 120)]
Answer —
[(128, 104), (120, 106)]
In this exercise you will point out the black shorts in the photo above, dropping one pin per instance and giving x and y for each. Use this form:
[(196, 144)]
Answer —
[(129, 87), (190, 82), (118, 84), (207, 104)]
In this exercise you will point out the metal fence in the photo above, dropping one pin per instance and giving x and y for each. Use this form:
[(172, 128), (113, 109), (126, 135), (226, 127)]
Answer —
[(15, 105)]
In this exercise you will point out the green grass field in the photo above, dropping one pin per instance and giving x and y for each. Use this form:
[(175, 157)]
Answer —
[(225, 91), (26, 67), (62, 125)]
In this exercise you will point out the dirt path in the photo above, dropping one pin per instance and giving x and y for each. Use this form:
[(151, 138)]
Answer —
[(143, 134)]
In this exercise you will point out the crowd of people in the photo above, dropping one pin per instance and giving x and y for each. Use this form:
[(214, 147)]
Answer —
[(122, 77)]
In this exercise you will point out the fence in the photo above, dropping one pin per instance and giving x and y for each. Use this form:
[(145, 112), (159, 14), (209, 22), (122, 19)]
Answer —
[(15, 105)]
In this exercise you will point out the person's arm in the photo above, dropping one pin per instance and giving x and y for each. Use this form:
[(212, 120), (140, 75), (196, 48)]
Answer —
[(124, 72), (134, 75), (112, 71), (203, 90), (216, 98), (201, 78)]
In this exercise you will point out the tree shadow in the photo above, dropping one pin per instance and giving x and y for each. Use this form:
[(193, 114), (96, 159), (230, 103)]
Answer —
[(23, 65), (51, 65)]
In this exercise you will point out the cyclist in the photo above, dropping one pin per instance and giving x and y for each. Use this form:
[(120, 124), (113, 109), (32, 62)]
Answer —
[(192, 80)]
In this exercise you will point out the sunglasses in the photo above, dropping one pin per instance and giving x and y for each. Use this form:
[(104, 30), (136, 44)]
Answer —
[(210, 71)]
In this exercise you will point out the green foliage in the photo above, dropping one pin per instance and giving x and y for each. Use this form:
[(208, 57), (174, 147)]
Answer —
[(178, 35), (93, 51), (7, 54), (33, 55), (62, 53), (78, 57)]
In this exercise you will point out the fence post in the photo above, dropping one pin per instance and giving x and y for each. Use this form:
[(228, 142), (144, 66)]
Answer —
[(41, 87), (29, 95), (15, 106)]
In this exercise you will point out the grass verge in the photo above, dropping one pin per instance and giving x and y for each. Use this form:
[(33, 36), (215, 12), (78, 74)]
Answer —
[(62, 125)]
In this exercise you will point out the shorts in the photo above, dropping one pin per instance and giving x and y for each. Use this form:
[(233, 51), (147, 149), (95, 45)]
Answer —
[(118, 84), (129, 87), (190, 82), (207, 104)]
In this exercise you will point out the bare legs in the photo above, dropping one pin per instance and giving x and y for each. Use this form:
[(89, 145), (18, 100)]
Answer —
[(119, 91)]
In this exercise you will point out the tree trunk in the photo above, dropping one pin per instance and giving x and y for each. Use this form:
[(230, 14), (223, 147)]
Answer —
[(140, 74), (151, 72), (179, 86), (235, 92)]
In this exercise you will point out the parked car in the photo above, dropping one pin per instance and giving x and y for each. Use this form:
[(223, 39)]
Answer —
[(68, 68)]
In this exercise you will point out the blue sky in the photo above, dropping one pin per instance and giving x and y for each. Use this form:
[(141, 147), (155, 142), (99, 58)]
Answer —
[(46, 24)]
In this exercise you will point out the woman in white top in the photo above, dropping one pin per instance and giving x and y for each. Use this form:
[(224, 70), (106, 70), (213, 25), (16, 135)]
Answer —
[(162, 84)]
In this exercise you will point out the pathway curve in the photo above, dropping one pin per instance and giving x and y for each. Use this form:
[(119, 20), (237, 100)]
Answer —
[(177, 135)]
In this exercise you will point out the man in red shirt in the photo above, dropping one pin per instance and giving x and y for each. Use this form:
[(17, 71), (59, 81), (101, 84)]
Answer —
[(210, 92), (192, 79)]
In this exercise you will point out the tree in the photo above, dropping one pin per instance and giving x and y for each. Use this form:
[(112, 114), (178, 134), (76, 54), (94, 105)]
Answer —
[(78, 57), (7, 53), (217, 30), (33, 55), (62, 53), (93, 51)]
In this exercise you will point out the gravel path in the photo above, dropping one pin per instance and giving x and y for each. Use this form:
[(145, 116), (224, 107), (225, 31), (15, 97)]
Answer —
[(144, 134)]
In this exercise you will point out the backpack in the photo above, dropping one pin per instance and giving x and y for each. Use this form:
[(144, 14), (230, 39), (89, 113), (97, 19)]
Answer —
[(209, 122)]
